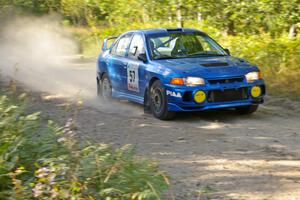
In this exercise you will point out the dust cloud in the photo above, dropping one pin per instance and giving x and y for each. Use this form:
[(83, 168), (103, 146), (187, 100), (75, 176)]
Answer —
[(43, 56), (34, 52)]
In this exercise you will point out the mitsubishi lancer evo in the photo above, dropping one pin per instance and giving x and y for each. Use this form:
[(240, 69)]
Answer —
[(177, 70)]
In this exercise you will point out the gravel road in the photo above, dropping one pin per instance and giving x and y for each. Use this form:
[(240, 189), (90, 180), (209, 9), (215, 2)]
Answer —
[(209, 155)]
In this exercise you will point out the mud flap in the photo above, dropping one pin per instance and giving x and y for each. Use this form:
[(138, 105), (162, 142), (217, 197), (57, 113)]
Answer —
[(146, 102)]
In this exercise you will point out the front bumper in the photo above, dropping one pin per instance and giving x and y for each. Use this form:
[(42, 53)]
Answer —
[(181, 98)]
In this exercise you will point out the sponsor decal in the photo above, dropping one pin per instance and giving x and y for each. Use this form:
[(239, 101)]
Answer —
[(133, 77), (173, 94)]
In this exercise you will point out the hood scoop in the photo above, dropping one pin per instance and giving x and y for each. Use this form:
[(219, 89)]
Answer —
[(219, 64)]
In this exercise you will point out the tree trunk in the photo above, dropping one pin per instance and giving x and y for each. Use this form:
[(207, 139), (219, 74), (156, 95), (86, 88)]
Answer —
[(199, 15), (179, 15), (170, 15), (293, 31), (230, 28), (145, 16)]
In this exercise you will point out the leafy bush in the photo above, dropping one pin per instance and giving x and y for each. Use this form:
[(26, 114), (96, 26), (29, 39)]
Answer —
[(278, 58), (48, 163)]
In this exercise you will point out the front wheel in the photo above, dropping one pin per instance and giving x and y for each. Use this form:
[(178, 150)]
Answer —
[(247, 110), (159, 103)]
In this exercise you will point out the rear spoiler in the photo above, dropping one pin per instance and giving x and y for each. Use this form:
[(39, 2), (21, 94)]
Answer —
[(105, 45)]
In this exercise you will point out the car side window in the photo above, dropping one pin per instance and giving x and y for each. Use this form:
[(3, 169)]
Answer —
[(121, 47), (113, 50), (136, 46)]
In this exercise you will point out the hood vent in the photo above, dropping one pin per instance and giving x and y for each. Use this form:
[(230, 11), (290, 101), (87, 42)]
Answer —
[(220, 64)]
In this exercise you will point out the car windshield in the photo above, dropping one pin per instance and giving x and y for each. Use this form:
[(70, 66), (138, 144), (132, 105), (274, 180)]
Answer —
[(183, 45)]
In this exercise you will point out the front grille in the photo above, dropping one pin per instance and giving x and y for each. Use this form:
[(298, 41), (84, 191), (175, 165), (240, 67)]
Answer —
[(227, 80), (187, 96), (228, 95)]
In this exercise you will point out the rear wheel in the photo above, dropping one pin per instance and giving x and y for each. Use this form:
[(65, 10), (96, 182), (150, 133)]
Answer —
[(247, 110), (158, 102), (105, 87), (98, 87)]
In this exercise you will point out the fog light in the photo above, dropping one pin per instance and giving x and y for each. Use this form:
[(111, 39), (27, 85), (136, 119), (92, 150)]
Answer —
[(255, 91), (200, 96)]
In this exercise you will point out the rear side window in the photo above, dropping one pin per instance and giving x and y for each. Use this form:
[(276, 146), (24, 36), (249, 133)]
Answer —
[(136, 46), (121, 47)]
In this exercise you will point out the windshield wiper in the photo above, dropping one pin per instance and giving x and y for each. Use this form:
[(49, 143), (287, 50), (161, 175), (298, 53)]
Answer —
[(161, 57), (204, 54), (216, 55)]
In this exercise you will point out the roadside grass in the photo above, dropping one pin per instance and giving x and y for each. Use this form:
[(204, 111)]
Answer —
[(278, 57), (45, 161)]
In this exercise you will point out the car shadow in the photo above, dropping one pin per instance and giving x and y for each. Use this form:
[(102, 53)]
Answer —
[(224, 115)]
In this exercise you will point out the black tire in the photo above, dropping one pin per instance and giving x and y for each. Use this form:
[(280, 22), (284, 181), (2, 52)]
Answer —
[(159, 102), (147, 109), (247, 110), (105, 88), (98, 87)]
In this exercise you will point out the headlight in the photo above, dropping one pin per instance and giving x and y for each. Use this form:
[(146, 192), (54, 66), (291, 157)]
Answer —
[(189, 81), (194, 81), (253, 76)]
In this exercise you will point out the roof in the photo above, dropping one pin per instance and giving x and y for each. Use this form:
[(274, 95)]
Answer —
[(165, 30)]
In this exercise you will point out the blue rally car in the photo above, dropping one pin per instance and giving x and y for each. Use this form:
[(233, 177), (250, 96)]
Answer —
[(173, 70)]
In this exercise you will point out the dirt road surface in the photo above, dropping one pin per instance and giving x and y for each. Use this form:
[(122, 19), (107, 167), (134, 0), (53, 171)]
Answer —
[(209, 155)]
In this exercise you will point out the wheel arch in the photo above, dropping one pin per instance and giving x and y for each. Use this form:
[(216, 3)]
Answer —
[(100, 75), (146, 92)]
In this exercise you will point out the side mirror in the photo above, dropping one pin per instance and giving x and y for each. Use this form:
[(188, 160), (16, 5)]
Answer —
[(227, 51), (142, 57)]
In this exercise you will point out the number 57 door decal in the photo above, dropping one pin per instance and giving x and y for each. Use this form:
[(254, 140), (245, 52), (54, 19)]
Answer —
[(133, 77)]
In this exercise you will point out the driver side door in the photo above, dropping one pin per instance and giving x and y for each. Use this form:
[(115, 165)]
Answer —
[(136, 73)]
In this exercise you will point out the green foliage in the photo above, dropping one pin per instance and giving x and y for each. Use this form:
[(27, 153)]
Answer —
[(232, 17), (37, 7), (48, 163), (278, 58)]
